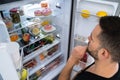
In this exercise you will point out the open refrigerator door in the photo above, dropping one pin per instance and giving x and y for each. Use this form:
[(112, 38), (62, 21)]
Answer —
[(85, 18), (42, 33), (11, 61)]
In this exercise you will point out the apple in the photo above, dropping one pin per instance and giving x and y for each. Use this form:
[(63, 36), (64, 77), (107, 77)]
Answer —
[(26, 37)]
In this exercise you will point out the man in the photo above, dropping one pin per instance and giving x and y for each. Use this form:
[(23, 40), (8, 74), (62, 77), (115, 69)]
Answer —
[(104, 47)]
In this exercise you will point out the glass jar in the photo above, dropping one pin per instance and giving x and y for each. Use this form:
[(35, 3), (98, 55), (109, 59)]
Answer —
[(14, 13), (9, 23)]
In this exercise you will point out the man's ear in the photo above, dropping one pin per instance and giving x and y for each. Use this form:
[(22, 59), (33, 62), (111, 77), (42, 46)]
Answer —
[(103, 53)]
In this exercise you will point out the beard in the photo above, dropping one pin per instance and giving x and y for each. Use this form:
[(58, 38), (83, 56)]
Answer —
[(93, 53)]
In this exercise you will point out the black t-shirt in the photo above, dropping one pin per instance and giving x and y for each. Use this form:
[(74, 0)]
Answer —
[(85, 75)]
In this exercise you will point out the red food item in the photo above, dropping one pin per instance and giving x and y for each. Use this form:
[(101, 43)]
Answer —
[(30, 64), (46, 11), (84, 59), (47, 27), (26, 37), (52, 50), (38, 13)]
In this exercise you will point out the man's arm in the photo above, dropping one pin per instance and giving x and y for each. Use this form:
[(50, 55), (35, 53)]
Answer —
[(76, 55), (66, 72)]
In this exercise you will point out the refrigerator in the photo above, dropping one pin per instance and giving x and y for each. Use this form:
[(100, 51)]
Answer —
[(43, 51), (47, 31)]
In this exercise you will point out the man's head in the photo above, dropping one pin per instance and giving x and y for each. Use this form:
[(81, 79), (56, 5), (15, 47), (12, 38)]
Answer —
[(105, 39)]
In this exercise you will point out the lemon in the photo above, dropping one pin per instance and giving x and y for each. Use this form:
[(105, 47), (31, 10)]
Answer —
[(101, 13), (24, 74), (85, 13)]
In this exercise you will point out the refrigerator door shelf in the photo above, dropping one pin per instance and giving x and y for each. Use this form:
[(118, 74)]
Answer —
[(84, 26), (86, 15), (95, 6), (80, 42)]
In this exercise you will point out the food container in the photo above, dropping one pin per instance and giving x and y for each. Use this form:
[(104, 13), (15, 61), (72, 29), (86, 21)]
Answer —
[(14, 13), (14, 37), (34, 31)]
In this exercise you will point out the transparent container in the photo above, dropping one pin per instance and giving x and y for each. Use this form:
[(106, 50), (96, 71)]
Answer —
[(13, 49), (14, 13), (4, 35)]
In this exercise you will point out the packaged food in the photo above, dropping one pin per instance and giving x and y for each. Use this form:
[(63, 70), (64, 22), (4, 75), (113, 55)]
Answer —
[(45, 22), (30, 64), (35, 31), (44, 4), (14, 13), (14, 37), (48, 40), (46, 11), (8, 23), (38, 73), (52, 50), (38, 13), (26, 37), (41, 56)]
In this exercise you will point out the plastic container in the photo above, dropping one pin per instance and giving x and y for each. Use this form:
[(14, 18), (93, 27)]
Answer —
[(13, 49), (4, 35), (14, 13), (7, 68)]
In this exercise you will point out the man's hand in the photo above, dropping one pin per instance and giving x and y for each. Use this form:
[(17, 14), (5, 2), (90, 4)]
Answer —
[(77, 54)]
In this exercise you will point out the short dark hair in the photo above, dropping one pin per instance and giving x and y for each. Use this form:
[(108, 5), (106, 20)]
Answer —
[(110, 35)]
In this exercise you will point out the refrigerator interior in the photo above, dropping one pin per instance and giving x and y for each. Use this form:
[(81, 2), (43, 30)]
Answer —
[(85, 18), (44, 51)]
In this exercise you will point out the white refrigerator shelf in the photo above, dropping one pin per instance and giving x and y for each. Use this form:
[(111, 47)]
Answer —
[(37, 52), (53, 72), (94, 6), (41, 65)]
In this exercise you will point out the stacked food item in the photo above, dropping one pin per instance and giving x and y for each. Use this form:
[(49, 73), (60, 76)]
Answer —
[(43, 12), (44, 4), (44, 9)]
